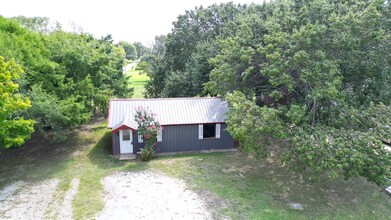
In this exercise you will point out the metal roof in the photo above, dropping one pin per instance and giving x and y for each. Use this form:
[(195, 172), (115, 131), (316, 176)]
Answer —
[(169, 111), (127, 122)]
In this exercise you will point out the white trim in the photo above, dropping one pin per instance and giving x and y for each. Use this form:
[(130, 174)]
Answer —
[(159, 135), (125, 146), (140, 138), (218, 129), (200, 131)]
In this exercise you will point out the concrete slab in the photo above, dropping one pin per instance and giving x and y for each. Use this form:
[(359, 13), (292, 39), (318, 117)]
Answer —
[(127, 157)]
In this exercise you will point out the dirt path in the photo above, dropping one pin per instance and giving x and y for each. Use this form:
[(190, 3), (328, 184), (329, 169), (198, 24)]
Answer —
[(149, 195), (65, 210), (130, 66)]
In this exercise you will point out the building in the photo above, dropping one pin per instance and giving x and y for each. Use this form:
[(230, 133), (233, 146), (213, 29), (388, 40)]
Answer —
[(190, 124)]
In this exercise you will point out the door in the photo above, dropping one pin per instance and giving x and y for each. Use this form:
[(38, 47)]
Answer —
[(126, 141)]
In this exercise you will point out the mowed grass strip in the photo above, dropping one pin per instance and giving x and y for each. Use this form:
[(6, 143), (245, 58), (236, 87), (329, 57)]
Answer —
[(262, 189), (138, 80), (234, 184)]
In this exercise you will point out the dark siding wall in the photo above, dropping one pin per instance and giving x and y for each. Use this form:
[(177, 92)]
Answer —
[(227, 141), (181, 138), (115, 142), (136, 145)]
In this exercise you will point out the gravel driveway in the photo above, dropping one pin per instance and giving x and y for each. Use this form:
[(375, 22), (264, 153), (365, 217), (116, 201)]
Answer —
[(22, 200), (127, 195), (149, 195)]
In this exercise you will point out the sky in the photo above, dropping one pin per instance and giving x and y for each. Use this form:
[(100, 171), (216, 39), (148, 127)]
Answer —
[(125, 20)]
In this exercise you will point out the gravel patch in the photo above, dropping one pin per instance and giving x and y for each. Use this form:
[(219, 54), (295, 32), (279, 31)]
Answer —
[(149, 195), (65, 210), (8, 191), (21, 200)]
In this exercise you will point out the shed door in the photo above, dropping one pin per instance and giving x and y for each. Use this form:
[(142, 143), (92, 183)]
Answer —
[(126, 141)]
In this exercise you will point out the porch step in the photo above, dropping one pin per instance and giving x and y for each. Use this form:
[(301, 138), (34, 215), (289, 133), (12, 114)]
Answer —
[(127, 157)]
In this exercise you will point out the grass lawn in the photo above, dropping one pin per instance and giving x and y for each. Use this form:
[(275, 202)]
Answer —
[(137, 80), (236, 185)]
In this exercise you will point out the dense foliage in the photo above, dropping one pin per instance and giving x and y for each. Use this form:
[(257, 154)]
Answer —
[(325, 68), (315, 74), (130, 50), (179, 62), (67, 75), (14, 129), (140, 49)]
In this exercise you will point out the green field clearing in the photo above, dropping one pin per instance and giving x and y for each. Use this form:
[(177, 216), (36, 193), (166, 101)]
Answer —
[(239, 186), (137, 80)]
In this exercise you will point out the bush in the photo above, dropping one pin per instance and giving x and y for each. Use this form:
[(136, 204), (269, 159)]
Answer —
[(148, 127), (146, 153)]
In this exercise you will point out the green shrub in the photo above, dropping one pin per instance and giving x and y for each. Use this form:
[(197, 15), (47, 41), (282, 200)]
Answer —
[(146, 153), (148, 127)]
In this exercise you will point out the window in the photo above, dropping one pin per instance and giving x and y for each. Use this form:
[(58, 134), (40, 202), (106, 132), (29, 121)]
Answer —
[(140, 138), (126, 135), (159, 135), (209, 131)]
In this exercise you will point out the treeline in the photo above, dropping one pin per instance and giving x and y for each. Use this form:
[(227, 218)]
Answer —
[(315, 74), (65, 76), (134, 50)]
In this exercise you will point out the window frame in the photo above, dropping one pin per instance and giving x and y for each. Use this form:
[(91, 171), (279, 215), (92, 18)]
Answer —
[(159, 135), (123, 135), (210, 128), (140, 138)]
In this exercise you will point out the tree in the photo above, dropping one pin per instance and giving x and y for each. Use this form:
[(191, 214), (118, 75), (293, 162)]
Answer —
[(184, 66), (130, 50), (91, 72), (50, 114), (73, 74), (38, 24), (141, 49), (156, 68), (316, 71), (13, 128)]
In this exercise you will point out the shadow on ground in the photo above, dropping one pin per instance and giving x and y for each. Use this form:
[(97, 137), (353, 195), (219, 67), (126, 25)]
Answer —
[(100, 154), (39, 159)]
